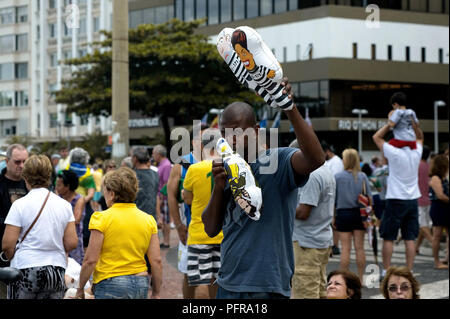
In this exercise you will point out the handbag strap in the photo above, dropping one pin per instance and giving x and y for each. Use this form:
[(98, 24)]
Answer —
[(364, 187), (35, 220)]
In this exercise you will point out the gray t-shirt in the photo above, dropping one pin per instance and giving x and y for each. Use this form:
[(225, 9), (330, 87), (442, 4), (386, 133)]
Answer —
[(319, 192), (257, 256), (148, 190), (347, 189), (403, 129)]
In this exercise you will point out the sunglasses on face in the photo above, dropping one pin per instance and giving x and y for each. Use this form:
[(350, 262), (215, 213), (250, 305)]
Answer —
[(403, 288)]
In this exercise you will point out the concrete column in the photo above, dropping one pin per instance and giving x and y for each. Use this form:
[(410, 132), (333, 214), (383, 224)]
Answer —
[(120, 80), (43, 112), (59, 35)]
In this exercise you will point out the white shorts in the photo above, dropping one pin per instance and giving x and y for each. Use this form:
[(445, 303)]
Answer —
[(424, 216), (182, 258)]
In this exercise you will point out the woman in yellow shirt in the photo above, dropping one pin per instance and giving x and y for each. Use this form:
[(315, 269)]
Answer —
[(120, 237)]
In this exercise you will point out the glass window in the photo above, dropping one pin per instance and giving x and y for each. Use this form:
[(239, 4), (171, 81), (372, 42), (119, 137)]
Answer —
[(293, 5), (6, 98), (441, 55), (169, 12), (21, 98), (7, 71), (295, 89), (161, 15), (53, 60), (134, 18), (324, 90), (52, 4), (96, 24), (200, 9), (148, 16), (188, 10), (66, 29), (21, 70), (179, 9), (309, 91), (213, 11), (22, 14), (225, 11), (238, 9), (252, 8), (280, 6), (52, 30), (82, 29), (22, 42), (424, 55), (53, 120), (7, 15), (389, 52), (355, 50), (82, 52), (266, 7), (67, 55), (7, 44), (407, 54), (302, 4)]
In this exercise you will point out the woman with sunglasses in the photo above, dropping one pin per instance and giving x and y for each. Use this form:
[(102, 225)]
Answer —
[(399, 283)]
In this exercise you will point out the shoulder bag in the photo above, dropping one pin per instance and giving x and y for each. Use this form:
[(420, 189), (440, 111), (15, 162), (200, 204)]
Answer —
[(364, 204)]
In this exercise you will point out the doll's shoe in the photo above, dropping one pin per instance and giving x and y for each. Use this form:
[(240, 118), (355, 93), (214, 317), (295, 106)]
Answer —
[(260, 63)]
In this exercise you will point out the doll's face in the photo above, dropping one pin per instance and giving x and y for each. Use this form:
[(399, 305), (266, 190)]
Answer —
[(245, 56)]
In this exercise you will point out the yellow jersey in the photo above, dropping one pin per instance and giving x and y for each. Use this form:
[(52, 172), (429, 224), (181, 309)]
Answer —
[(200, 182), (127, 232)]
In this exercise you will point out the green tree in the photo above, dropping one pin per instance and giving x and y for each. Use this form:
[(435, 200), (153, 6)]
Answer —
[(173, 71)]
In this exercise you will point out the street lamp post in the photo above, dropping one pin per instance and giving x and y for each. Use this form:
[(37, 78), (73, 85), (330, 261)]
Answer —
[(436, 137), (360, 113)]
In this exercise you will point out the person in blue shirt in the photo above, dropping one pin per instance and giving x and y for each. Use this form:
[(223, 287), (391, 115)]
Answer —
[(257, 255)]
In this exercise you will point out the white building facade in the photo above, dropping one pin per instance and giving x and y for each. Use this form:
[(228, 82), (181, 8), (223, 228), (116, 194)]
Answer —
[(35, 38)]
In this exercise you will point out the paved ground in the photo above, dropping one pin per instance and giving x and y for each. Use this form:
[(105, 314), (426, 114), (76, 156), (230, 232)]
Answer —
[(172, 278), (434, 283)]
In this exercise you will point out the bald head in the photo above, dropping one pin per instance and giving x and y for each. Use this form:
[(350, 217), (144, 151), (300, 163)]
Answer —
[(238, 111)]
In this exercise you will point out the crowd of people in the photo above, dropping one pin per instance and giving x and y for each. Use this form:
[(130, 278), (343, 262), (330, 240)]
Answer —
[(58, 210)]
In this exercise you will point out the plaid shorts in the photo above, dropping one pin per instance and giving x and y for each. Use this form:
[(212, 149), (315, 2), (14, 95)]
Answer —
[(203, 264), (165, 210)]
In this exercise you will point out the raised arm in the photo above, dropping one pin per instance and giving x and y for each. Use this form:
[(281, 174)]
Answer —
[(378, 137), (172, 194), (417, 131), (311, 156)]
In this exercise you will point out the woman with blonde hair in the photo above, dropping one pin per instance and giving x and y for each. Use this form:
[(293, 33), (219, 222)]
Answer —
[(44, 225), (120, 237), (348, 220)]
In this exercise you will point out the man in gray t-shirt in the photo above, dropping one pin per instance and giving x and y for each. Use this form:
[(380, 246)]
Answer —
[(313, 235), (148, 181)]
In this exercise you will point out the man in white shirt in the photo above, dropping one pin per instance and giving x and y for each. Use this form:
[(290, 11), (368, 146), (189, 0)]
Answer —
[(333, 161), (401, 196)]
